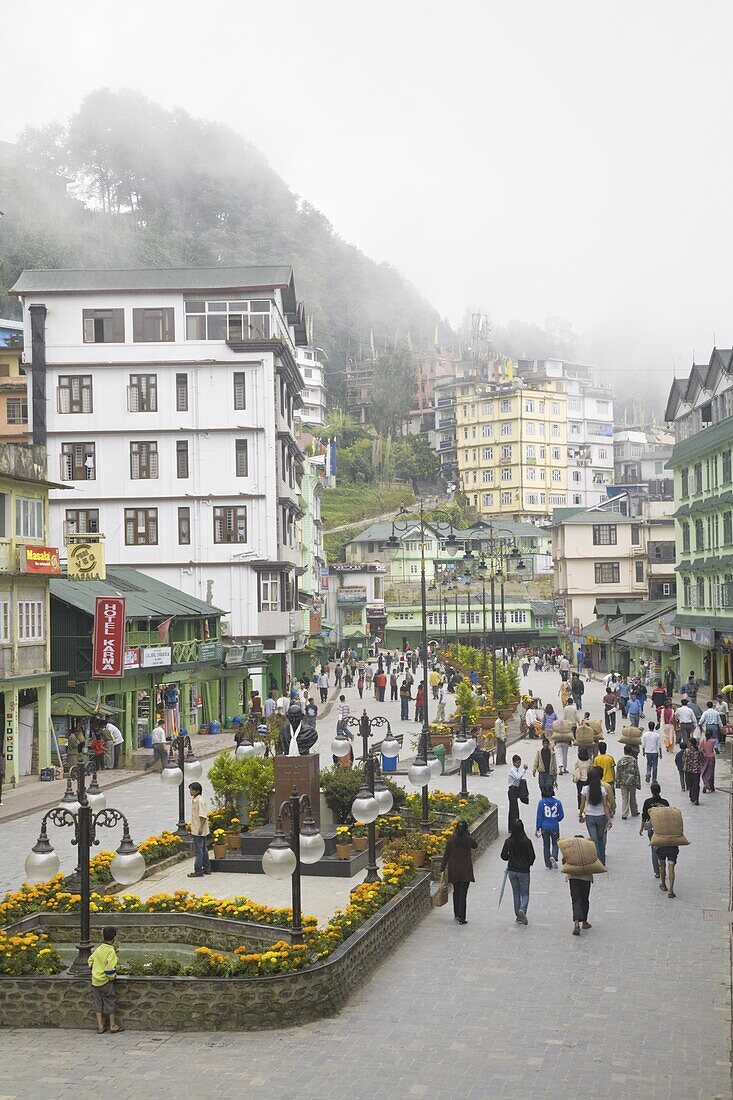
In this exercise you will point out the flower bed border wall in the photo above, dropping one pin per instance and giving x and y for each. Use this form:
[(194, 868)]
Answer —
[(219, 1004), (484, 831)]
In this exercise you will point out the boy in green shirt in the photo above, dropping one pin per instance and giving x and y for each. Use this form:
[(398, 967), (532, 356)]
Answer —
[(103, 962)]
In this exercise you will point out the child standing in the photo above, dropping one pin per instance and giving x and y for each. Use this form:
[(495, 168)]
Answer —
[(549, 815)]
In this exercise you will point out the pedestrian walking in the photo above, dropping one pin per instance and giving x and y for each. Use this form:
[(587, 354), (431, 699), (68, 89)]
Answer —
[(691, 764), (344, 712), (588, 663), (519, 855), (74, 745), (708, 747), (545, 766), (651, 746), (679, 760), (420, 701), (549, 717), (581, 769), (628, 780), (368, 677), (97, 746), (710, 722), (669, 681), (655, 799), (459, 862), (606, 763), (517, 783), (685, 720), (594, 811), (360, 685), (323, 686), (199, 832), (337, 673), (160, 749), (610, 704), (103, 963), (577, 687), (580, 885), (550, 813), (666, 725), (405, 697), (393, 687), (624, 693)]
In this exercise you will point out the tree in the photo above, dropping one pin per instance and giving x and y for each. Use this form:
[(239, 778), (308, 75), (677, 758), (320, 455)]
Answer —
[(394, 391)]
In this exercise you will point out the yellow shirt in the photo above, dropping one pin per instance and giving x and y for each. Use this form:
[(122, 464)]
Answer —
[(101, 960), (608, 764)]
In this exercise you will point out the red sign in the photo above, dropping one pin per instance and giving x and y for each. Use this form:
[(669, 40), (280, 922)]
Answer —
[(108, 647), (41, 559)]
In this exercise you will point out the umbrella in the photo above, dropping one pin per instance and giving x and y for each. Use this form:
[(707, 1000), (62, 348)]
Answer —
[(503, 885)]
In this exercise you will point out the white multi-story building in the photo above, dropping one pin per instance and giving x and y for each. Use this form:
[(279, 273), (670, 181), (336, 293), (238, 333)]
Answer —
[(167, 401), (312, 414), (589, 428)]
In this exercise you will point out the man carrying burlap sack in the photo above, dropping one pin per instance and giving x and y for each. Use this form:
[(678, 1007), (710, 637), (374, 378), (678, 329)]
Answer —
[(580, 862), (667, 837)]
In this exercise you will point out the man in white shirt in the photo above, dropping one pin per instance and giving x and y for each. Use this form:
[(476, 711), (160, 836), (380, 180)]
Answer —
[(686, 718), (532, 720), (651, 746), (570, 714), (117, 740), (564, 666), (160, 749)]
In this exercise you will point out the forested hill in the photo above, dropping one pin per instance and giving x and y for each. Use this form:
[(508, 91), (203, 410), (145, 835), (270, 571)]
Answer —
[(128, 184)]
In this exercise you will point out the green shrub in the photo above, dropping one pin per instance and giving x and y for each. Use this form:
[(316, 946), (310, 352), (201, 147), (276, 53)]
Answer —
[(340, 787)]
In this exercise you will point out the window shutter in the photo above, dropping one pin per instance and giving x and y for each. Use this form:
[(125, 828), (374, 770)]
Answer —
[(134, 462), (153, 462)]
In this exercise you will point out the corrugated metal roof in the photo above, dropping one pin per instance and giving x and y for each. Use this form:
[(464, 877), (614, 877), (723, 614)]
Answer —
[(60, 280), (706, 440), (145, 597)]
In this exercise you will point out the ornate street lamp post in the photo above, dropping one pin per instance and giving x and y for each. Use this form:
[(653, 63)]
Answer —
[(127, 867), (284, 857), (374, 798), (182, 764), (463, 746)]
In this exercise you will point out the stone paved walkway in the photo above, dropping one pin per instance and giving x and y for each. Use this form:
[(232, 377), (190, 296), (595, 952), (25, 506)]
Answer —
[(638, 1006)]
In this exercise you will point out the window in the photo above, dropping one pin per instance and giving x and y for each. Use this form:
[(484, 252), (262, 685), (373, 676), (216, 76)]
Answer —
[(699, 536), (686, 591), (184, 526), (506, 428), (488, 500), (152, 326), (607, 572), (4, 621), (17, 410), (602, 454), (78, 462), (506, 498), (81, 521), (686, 536), (488, 454), (487, 431), (555, 408), (727, 530), (30, 620), (530, 498), (506, 473), (181, 458), (531, 451), (487, 476), (240, 393), (270, 592), (557, 476), (241, 461), (726, 467), (141, 526), (487, 408), (557, 498), (529, 427), (230, 524), (576, 475), (143, 461), (697, 478), (74, 393), (574, 404), (639, 569), (505, 406), (555, 432), (603, 408), (666, 588), (555, 453), (506, 452), (104, 326), (29, 518), (577, 498), (529, 406), (142, 393), (240, 320), (700, 594), (517, 617), (531, 474), (181, 393), (635, 534), (684, 482)]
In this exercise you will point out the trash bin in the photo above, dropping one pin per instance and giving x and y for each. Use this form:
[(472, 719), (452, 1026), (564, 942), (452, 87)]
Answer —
[(389, 763), (147, 740), (214, 727), (439, 751)]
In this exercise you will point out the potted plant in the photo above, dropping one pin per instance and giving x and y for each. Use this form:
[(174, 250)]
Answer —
[(417, 847), (233, 836), (219, 843), (360, 837), (343, 842)]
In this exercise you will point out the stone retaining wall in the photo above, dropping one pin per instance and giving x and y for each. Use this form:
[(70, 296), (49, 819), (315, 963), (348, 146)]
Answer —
[(220, 1004)]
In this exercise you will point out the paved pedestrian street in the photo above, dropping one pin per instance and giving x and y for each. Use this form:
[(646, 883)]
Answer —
[(638, 1006)]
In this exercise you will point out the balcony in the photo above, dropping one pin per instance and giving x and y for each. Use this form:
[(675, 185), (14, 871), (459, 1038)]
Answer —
[(446, 423), (7, 557)]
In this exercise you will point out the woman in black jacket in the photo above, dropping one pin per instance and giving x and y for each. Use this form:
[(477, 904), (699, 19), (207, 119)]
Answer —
[(518, 851), (457, 858)]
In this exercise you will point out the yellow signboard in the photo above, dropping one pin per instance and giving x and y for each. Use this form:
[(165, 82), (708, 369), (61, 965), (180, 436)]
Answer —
[(85, 562)]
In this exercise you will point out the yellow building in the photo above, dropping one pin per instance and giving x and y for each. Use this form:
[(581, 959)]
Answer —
[(13, 393), (511, 440)]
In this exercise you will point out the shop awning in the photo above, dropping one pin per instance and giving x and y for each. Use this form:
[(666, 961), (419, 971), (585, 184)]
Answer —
[(76, 706)]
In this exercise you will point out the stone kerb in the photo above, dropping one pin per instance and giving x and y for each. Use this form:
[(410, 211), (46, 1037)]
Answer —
[(218, 1004)]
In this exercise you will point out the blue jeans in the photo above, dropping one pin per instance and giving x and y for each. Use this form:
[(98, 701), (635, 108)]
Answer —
[(652, 763), (545, 780), (596, 826), (550, 838), (201, 863), (520, 889), (655, 857)]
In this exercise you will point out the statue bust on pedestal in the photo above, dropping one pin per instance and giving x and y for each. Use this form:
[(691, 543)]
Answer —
[(305, 737)]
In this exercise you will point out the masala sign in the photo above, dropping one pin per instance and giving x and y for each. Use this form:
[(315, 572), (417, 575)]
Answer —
[(108, 646)]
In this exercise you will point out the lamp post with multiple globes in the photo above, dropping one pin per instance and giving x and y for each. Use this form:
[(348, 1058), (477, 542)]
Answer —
[(182, 764), (284, 857), (374, 797)]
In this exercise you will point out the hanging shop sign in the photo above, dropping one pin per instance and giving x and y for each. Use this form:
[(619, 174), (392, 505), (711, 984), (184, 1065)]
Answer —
[(156, 656), (132, 659), (10, 732), (85, 561), (40, 559), (210, 651), (108, 646)]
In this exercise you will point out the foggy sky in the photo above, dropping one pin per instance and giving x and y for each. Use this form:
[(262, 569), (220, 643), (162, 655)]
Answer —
[(530, 158)]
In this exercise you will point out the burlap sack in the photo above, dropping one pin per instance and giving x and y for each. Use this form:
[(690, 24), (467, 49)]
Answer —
[(630, 736), (584, 737), (580, 857), (668, 827), (595, 725), (562, 732), (590, 729)]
